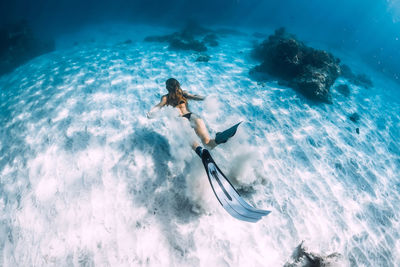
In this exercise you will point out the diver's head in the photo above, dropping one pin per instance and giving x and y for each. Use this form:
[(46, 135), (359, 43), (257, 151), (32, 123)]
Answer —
[(173, 86)]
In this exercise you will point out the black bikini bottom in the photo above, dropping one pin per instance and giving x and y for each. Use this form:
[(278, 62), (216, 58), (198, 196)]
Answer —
[(187, 115)]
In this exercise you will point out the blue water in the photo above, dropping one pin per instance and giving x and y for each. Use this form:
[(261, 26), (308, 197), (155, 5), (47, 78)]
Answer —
[(87, 179)]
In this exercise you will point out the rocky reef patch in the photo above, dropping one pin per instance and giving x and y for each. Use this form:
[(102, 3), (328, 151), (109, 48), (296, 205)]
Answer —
[(192, 37), (301, 257), (310, 71)]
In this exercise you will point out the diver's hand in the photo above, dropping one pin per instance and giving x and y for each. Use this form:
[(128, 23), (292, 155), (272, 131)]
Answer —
[(153, 111)]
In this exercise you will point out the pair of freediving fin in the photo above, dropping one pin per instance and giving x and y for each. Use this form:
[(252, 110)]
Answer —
[(226, 194)]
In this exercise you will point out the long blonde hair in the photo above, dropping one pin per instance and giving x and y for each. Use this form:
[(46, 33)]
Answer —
[(175, 94)]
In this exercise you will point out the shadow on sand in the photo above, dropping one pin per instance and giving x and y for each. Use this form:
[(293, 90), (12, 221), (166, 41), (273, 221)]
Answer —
[(164, 197)]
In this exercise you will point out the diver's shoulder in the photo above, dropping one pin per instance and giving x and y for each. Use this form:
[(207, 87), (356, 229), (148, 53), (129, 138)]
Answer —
[(164, 99)]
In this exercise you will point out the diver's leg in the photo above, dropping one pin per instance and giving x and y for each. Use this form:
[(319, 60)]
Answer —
[(202, 132), (195, 145), (197, 148)]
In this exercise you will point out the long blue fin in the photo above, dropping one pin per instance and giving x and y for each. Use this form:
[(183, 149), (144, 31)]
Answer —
[(226, 194), (222, 137)]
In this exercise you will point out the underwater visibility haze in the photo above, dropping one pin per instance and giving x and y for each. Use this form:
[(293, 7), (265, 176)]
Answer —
[(88, 178)]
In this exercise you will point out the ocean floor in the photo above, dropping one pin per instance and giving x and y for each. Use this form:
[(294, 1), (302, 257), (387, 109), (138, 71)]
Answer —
[(86, 179)]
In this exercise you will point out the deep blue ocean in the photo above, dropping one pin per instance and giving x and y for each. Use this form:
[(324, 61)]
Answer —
[(87, 179)]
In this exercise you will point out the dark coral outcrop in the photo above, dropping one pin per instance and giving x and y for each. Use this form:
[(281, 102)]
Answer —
[(203, 58), (185, 39), (310, 71), (18, 44), (301, 257), (176, 43), (192, 37), (210, 39), (356, 79), (354, 117)]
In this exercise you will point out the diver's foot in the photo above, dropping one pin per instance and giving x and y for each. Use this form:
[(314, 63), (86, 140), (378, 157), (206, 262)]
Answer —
[(211, 144), (222, 137), (199, 151)]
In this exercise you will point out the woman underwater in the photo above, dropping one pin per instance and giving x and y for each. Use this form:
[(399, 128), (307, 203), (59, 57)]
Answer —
[(178, 98)]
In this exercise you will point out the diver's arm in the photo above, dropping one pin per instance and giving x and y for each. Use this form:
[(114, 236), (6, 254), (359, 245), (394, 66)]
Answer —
[(193, 97), (162, 103)]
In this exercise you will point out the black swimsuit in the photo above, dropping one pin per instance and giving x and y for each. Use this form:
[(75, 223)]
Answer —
[(187, 115)]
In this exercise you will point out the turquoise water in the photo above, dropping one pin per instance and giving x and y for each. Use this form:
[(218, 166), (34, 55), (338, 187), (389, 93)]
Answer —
[(87, 179)]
